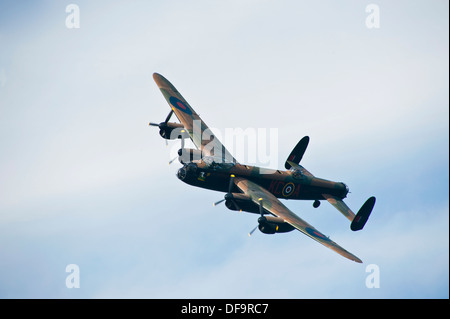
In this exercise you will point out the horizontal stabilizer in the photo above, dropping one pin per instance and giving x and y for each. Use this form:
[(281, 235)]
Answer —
[(363, 215), (340, 206)]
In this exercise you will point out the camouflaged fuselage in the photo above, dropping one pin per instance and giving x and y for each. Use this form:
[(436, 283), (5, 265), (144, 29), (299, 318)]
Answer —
[(282, 184)]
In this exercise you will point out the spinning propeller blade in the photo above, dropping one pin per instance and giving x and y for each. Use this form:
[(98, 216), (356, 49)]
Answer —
[(162, 124), (261, 211), (228, 195), (218, 202), (252, 231), (168, 116)]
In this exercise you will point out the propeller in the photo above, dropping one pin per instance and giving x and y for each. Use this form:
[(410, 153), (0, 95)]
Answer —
[(228, 195), (218, 202), (173, 159), (182, 146), (162, 125), (261, 211), (230, 186), (252, 231)]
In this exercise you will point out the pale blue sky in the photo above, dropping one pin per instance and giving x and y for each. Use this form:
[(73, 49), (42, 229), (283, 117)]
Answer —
[(85, 181)]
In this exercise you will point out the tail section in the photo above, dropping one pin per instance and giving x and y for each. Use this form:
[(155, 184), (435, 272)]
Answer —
[(297, 153), (357, 221), (363, 214), (360, 219)]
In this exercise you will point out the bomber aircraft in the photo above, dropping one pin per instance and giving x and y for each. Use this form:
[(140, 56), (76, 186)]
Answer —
[(250, 188)]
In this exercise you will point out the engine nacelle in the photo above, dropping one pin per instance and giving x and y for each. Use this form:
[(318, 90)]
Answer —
[(238, 201), (187, 155), (171, 131), (242, 205), (272, 225)]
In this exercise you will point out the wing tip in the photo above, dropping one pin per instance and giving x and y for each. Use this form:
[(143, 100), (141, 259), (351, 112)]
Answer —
[(165, 84), (349, 256), (159, 79)]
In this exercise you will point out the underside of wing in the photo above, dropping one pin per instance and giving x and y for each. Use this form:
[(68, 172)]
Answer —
[(272, 205), (198, 131)]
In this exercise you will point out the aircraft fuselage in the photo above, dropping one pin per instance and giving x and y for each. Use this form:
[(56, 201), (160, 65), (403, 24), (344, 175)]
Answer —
[(282, 184)]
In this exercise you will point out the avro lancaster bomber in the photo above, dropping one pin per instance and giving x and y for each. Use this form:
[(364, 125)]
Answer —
[(249, 188)]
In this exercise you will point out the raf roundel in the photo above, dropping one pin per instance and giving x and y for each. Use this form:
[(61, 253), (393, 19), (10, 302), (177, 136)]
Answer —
[(316, 234), (288, 189), (179, 105)]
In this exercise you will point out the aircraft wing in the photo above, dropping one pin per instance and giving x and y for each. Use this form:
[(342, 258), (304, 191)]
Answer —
[(200, 134), (271, 204)]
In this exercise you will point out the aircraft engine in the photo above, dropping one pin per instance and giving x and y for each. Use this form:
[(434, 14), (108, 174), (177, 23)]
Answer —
[(242, 205), (272, 225), (170, 131), (187, 155), (241, 202)]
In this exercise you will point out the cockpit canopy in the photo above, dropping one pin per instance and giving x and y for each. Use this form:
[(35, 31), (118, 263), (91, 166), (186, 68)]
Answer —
[(216, 163)]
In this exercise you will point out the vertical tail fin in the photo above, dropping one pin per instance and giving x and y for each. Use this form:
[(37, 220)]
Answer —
[(297, 153), (363, 214)]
